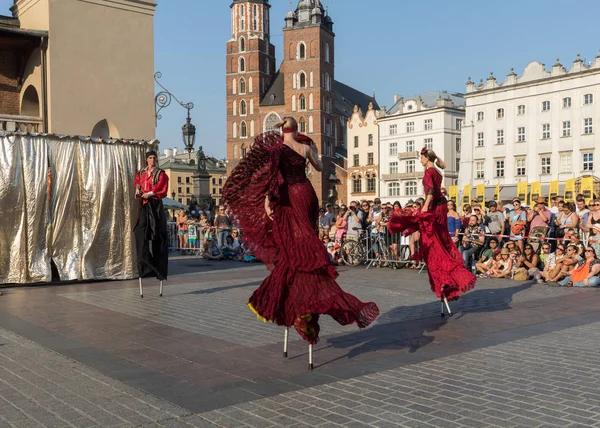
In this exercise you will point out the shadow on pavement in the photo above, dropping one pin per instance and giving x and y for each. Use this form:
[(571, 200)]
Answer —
[(226, 288)]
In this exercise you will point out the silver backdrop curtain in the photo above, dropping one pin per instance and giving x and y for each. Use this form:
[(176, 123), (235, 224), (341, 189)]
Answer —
[(86, 225)]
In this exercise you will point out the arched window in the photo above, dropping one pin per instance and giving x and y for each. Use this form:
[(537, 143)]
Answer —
[(242, 108), (311, 79), (242, 17), (234, 107), (255, 18), (244, 150), (302, 103), (302, 80), (302, 125), (271, 120), (293, 102), (242, 65), (326, 52), (105, 130), (357, 184), (394, 189), (294, 81), (234, 131), (251, 106), (327, 82), (243, 131), (250, 85), (242, 85), (242, 44), (301, 50), (310, 101), (234, 86), (30, 104), (310, 124), (235, 151), (252, 128)]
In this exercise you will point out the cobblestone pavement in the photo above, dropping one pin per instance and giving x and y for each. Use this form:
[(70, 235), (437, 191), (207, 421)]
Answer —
[(96, 355)]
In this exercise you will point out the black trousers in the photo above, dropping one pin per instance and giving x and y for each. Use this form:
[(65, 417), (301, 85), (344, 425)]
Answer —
[(152, 242)]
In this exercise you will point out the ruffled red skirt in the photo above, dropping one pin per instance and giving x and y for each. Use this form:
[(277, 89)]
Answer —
[(445, 265)]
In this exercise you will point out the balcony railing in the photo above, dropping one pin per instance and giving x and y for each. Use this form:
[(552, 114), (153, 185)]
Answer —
[(408, 155), (12, 123), (403, 175)]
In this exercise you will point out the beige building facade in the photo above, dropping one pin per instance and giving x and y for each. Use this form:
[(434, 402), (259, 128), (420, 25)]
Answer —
[(89, 70), (363, 154)]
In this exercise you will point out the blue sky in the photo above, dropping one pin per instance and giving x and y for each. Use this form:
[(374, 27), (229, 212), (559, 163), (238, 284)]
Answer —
[(392, 46)]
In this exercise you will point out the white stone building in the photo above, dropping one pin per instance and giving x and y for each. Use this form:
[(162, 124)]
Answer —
[(363, 154), (537, 127), (433, 120)]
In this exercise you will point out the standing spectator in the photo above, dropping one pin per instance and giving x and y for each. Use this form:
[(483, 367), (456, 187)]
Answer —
[(496, 220), (353, 221), (223, 225), (593, 226), (341, 225), (472, 241), (539, 221), (454, 222), (583, 213), (554, 205), (192, 234), (479, 213), (567, 221), (518, 222), (182, 227), (466, 215)]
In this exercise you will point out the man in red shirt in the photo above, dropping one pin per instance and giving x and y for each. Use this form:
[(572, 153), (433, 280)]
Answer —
[(151, 184)]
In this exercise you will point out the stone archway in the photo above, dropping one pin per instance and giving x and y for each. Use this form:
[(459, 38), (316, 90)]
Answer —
[(30, 103), (105, 129)]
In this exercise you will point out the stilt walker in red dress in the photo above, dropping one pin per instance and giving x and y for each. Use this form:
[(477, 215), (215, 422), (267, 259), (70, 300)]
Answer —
[(278, 211), (448, 276), (151, 240)]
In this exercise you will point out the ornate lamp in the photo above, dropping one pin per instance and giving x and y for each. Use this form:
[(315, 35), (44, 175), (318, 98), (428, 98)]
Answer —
[(189, 133)]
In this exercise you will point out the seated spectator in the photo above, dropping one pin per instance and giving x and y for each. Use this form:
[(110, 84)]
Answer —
[(487, 254), (544, 253), (586, 272), (486, 267), (518, 223), (564, 266), (503, 269), (576, 241), (334, 253), (527, 264), (550, 264), (472, 240), (212, 251), (515, 253), (231, 249), (479, 213)]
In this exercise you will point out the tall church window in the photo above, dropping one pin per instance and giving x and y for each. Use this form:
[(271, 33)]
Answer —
[(301, 50), (235, 151), (242, 108), (234, 86), (267, 66), (243, 131), (242, 17), (326, 52), (270, 122), (302, 80), (250, 85), (242, 44), (302, 125), (255, 18), (242, 86), (327, 82), (242, 66), (302, 103), (244, 150)]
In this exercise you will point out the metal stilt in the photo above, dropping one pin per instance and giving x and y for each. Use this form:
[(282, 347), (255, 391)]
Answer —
[(442, 302), (310, 360), (141, 289), (285, 342), (161, 287), (447, 306)]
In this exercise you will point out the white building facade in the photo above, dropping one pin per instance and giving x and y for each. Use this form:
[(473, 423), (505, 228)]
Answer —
[(431, 120), (539, 127), (363, 154)]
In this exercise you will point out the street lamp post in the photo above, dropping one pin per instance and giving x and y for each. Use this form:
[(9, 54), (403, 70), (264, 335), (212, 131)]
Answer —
[(162, 100)]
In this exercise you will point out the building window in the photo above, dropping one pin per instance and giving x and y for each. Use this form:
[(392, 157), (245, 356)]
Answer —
[(301, 50), (178, 180), (394, 189), (242, 108), (521, 134), (302, 80), (588, 99), (393, 129), (410, 166), (357, 184), (520, 167), (410, 127), (479, 116), (327, 81), (545, 160), (588, 162), (587, 126), (567, 102), (371, 184), (410, 146), (180, 200), (370, 159), (243, 130), (220, 181), (244, 151), (500, 113), (458, 140), (545, 131), (302, 103), (499, 168), (355, 141), (410, 188), (428, 124), (214, 181), (458, 124), (565, 162), (302, 125), (242, 86), (393, 167), (370, 139), (566, 128), (356, 160), (546, 105), (480, 139), (187, 180), (242, 44), (479, 171), (242, 65), (521, 110), (500, 136), (187, 190), (179, 190), (326, 52), (243, 20), (393, 149), (428, 142)]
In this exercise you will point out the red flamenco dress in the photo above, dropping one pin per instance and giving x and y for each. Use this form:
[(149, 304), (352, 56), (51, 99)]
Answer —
[(445, 265), (301, 285)]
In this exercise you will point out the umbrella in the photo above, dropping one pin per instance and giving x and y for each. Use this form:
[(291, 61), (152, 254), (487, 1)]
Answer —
[(171, 204)]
